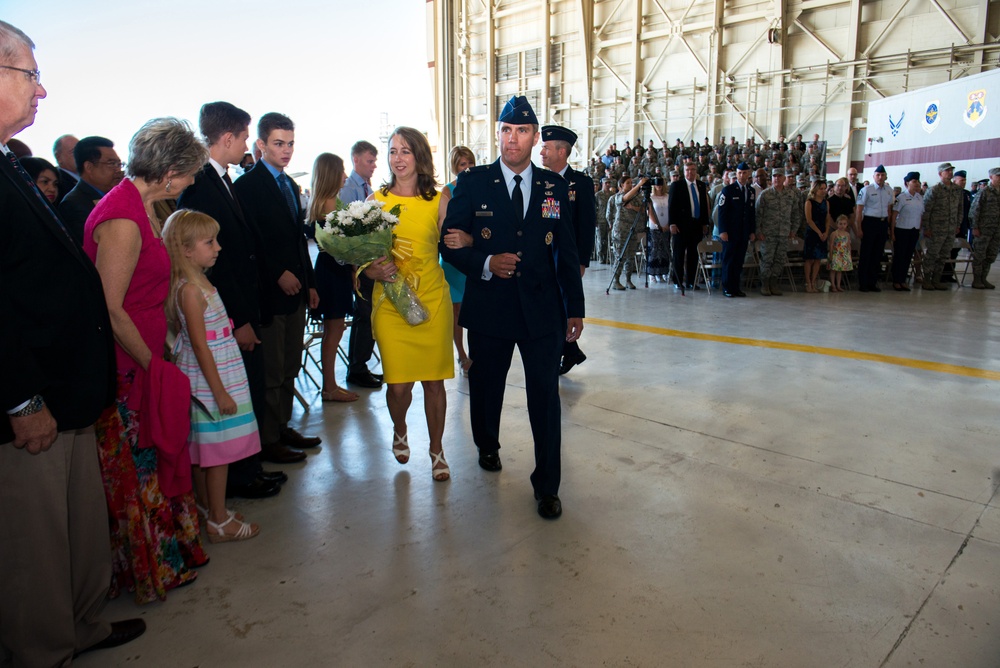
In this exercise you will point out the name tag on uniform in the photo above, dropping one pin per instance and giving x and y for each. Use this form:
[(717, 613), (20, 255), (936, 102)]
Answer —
[(550, 207), (484, 213)]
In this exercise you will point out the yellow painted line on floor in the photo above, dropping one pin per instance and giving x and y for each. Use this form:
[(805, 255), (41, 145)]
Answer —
[(938, 367)]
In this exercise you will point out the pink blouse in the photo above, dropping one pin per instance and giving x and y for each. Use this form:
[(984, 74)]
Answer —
[(150, 283)]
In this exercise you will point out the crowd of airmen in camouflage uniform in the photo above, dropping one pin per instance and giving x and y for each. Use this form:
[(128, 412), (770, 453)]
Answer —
[(950, 211)]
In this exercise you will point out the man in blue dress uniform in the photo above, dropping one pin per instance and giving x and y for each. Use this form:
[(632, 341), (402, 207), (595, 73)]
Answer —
[(522, 262), (737, 227)]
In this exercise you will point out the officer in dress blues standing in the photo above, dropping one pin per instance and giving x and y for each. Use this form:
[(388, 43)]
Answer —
[(737, 227), (557, 142), (524, 289), (872, 219)]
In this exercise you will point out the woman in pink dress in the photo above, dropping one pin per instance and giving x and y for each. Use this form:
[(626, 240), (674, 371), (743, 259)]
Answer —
[(155, 540)]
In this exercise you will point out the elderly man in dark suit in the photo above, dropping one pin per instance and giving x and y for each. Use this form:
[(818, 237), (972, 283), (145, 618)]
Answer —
[(523, 290), (235, 275), (688, 210), (737, 228), (557, 142), (62, 150), (269, 199), (55, 559)]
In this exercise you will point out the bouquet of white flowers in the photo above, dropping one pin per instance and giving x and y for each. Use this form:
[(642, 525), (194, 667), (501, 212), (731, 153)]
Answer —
[(361, 232)]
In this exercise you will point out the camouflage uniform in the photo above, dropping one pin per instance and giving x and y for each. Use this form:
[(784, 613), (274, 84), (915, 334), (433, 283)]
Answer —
[(943, 211), (985, 217), (774, 221), (621, 218), (603, 249)]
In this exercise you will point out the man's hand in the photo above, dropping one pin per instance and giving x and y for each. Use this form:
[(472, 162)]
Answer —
[(724, 236), (674, 229), (289, 284), (975, 232), (313, 298), (245, 337), (574, 326), (582, 270), (504, 264), (36, 432)]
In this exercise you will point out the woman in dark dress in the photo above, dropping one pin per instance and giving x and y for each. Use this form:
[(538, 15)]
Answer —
[(334, 281), (818, 226)]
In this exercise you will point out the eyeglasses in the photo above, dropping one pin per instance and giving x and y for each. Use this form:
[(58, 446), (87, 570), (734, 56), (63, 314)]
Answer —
[(35, 76), (113, 164)]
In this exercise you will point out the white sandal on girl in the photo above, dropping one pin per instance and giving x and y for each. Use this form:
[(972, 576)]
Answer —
[(203, 513), (217, 532), (400, 448)]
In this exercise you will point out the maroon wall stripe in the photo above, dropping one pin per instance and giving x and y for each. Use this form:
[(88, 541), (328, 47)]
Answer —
[(983, 149)]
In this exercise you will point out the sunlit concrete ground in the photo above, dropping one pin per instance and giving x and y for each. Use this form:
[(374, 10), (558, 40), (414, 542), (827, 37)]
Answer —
[(724, 505)]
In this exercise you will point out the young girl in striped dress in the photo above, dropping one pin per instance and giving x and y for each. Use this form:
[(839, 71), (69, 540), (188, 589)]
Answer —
[(223, 427)]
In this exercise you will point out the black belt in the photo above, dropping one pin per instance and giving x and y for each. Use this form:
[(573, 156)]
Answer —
[(881, 220)]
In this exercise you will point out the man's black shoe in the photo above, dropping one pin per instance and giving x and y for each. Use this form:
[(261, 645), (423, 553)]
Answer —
[(740, 293), (364, 379), (549, 506), (490, 461), (258, 489), (122, 632), (728, 294), (272, 476)]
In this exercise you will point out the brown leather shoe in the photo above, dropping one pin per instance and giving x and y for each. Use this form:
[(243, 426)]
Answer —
[(279, 453), (294, 439)]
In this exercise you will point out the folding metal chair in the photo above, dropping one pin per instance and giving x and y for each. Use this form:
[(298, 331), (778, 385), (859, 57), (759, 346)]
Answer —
[(707, 248)]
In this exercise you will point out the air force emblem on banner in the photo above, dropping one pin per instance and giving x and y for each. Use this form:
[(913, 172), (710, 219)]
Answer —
[(895, 126), (975, 108), (931, 116)]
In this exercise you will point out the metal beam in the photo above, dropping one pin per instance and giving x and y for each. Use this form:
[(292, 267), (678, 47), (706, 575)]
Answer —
[(746, 54), (871, 47), (816, 38), (950, 21), (820, 107)]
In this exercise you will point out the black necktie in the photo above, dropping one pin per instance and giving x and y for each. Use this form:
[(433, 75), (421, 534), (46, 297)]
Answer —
[(517, 197), (286, 190), (34, 189), (232, 193)]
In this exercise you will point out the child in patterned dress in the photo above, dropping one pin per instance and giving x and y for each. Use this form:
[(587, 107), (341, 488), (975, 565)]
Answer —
[(840, 253), (223, 427)]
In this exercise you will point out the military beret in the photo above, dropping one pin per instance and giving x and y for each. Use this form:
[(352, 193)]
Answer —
[(945, 166), (880, 170), (518, 111), (558, 133), (961, 173)]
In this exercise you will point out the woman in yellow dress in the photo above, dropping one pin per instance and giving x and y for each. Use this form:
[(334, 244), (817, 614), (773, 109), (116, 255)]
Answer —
[(421, 352)]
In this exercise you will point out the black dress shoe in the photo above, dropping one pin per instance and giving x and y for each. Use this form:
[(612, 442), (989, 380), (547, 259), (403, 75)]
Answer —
[(740, 293), (364, 379), (272, 476), (294, 439), (258, 489), (379, 377), (570, 361), (122, 632), (729, 294), (279, 453), (549, 506), (490, 461)]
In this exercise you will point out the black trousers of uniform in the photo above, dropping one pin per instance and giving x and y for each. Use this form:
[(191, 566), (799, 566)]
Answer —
[(487, 382), (875, 231), (734, 252), (902, 253), (685, 257)]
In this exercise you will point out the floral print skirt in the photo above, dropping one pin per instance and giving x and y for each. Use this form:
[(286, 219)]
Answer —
[(155, 540)]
